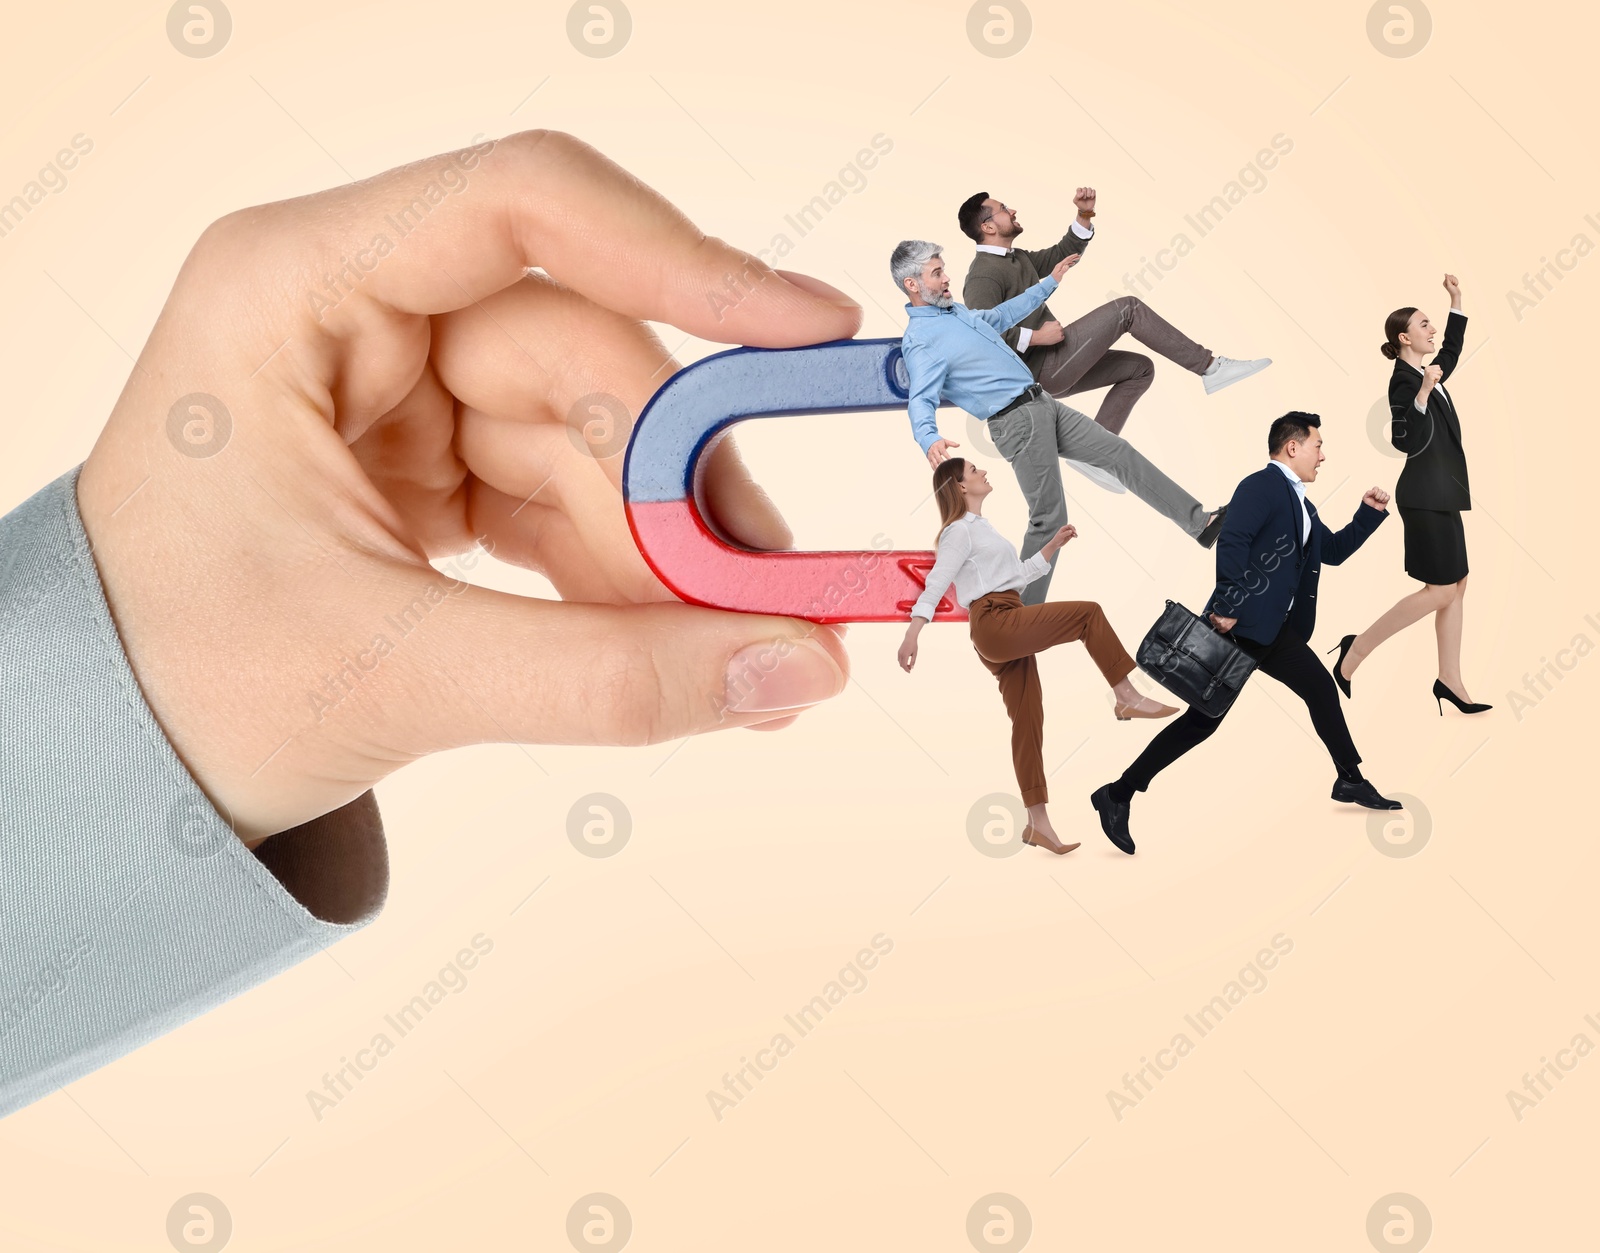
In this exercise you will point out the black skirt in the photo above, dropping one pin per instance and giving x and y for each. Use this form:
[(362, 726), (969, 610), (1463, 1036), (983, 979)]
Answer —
[(1436, 545)]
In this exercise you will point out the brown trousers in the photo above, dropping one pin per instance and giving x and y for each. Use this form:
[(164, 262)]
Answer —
[(1085, 360), (1006, 634)]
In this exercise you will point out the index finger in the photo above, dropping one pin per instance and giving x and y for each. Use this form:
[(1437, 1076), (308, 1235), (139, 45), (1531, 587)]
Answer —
[(447, 231)]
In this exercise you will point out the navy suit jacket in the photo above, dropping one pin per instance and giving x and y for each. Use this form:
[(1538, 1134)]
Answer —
[(1262, 563)]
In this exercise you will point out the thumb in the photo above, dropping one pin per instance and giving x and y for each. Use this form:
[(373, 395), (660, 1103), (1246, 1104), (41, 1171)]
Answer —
[(493, 667)]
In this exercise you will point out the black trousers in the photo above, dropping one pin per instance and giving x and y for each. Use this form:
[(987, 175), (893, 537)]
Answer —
[(1289, 660)]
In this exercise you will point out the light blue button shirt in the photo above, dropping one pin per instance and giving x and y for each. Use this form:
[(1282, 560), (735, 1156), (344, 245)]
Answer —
[(957, 355)]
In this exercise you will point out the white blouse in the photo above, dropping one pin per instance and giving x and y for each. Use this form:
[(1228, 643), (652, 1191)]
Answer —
[(978, 560)]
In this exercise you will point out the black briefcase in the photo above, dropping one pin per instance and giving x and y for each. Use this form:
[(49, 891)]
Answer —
[(1194, 661)]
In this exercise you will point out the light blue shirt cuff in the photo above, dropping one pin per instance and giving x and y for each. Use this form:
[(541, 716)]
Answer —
[(128, 906)]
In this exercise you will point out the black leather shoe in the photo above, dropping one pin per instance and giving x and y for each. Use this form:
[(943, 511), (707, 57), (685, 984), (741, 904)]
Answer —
[(1361, 792), (1113, 817), (1208, 537), (1344, 647)]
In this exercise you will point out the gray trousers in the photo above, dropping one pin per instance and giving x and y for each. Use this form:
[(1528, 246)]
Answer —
[(1085, 360), (1033, 438)]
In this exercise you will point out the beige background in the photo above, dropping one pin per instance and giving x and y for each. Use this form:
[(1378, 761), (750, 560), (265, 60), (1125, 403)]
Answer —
[(1020, 989)]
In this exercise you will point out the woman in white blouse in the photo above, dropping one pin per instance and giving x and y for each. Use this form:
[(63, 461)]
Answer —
[(1006, 634)]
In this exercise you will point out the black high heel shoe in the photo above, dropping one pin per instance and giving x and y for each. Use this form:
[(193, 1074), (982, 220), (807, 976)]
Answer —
[(1441, 694), (1344, 647)]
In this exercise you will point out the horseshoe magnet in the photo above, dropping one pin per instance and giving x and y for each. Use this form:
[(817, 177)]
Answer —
[(661, 485)]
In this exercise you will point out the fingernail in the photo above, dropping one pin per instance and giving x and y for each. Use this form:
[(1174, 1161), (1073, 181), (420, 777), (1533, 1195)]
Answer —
[(781, 674)]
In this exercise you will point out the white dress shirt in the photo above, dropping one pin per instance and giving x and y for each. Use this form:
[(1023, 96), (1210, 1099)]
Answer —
[(1025, 335), (978, 560), (1438, 387)]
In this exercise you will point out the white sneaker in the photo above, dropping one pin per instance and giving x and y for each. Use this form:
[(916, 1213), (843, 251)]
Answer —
[(1096, 475), (1225, 370)]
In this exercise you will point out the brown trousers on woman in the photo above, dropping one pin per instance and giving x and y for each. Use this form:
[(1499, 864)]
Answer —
[(1006, 634)]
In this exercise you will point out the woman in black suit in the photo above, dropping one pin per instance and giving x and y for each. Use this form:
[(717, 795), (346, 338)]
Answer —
[(1430, 495)]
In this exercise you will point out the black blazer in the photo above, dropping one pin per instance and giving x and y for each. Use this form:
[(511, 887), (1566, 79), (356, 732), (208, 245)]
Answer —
[(1435, 474), (1262, 562)]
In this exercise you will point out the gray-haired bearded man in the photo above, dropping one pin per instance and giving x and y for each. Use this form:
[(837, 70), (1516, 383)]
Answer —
[(954, 354)]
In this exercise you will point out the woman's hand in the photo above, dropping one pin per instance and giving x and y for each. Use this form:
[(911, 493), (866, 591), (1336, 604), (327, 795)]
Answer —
[(908, 646), (1453, 286), (344, 386), (1065, 264), (1059, 540), (1430, 377)]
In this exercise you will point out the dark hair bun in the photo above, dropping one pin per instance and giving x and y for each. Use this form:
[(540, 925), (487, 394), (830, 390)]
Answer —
[(1389, 351)]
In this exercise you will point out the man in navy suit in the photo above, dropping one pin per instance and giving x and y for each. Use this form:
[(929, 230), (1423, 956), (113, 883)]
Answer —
[(1269, 558)]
